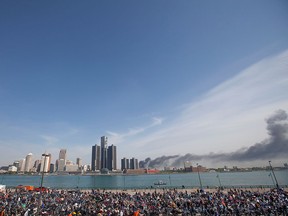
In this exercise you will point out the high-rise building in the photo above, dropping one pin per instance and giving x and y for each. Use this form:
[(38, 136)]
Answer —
[(125, 163), (134, 163), (28, 162), (62, 154), (37, 165), (62, 160), (104, 143), (61, 165), (17, 164), (96, 157), (104, 157), (45, 163), (52, 168), (112, 158), (79, 162), (22, 165)]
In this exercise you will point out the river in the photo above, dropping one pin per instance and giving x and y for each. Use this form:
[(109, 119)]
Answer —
[(188, 180)]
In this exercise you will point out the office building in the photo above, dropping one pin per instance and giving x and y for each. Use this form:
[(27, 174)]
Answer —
[(62, 154), (104, 143), (104, 156), (112, 158), (134, 163), (61, 165), (96, 158), (45, 163), (28, 162), (17, 164), (125, 163), (79, 162), (62, 160), (71, 168), (52, 168), (12, 168), (22, 165)]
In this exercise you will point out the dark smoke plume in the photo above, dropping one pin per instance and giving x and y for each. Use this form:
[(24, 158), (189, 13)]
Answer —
[(275, 146)]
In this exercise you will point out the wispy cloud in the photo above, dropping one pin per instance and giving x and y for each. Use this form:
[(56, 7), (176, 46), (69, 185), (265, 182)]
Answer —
[(120, 137), (228, 117), (49, 140)]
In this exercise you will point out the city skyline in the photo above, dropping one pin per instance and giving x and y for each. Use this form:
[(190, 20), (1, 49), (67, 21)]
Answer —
[(162, 79), (105, 157)]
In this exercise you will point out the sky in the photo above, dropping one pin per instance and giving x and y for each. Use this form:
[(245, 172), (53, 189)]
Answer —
[(158, 78)]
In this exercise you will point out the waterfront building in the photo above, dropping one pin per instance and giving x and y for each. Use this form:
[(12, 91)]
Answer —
[(28, 162), (37, 165), (96, 157), (61, 165), (52, 168), (104, 156), (45, 163), (17, 165), (12, 168), (79, 162), (134, 163), (22, 165), (125, 164), (112, 158), (104, 143), (69, 162), (71, 168), (62, 154), (62, 160)]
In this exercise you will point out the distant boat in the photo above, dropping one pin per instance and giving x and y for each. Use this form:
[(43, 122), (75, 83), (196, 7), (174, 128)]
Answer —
[(160, 182)]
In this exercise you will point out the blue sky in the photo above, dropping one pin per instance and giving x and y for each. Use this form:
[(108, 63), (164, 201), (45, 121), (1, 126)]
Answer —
[(156, 77)]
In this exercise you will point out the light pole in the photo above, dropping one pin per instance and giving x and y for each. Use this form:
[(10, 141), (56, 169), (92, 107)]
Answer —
[(124, 182), (219, 181), (277, 185), (272, 178), (199, 176), (41, 184)]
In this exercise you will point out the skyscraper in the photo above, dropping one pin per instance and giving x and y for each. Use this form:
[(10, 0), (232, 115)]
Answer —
[(45, 163), (125, 163), (62, 160), (96, 158), (28, 162), (104, 143), (112, 158), (62, 154), (22, 165), (79, 162), (134, 163), (104, 157)]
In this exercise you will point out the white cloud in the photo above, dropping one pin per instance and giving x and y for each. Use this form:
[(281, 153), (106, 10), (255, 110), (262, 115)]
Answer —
[(50, 140), (156, 121), (228, 117), (118, 138)]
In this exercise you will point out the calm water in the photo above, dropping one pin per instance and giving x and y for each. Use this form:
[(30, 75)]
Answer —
[(235, 179)]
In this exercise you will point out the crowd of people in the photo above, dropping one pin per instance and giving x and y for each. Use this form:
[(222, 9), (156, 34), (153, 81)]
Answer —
[(151, 202)]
